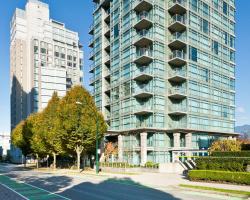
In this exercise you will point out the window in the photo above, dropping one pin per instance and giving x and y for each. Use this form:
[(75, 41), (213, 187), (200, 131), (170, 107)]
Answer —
[(194, 4), (232, 41), (216, 47), (225, 8), (205, 27), (193, 54), (116, 30)]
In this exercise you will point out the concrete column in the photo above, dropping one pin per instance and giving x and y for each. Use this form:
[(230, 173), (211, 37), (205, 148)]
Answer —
[(120, 148), (177, 138), (188, 140), (143, 148)]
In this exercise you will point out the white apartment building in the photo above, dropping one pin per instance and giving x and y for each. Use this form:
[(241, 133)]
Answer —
[(45, 57), (4, 144)]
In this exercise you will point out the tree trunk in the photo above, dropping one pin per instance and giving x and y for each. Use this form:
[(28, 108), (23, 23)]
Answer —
[(24, 164), (54, 161), (37, 161), (79, 150)]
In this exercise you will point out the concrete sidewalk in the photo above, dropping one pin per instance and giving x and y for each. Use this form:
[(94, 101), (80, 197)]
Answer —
[(155, 180)]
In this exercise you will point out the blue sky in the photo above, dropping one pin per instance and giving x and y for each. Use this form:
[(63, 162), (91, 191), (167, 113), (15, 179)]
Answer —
[(79, 17)]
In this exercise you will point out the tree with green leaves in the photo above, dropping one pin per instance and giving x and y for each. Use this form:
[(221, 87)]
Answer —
[(38, 143), (21, 136), (51, 127), (80, 120)]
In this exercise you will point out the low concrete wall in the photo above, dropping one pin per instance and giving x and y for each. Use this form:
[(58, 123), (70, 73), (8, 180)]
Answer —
[(171, 168), (135, 169)]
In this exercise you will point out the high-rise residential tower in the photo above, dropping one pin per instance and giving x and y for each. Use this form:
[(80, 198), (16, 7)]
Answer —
[(45, 57), (164, 75)]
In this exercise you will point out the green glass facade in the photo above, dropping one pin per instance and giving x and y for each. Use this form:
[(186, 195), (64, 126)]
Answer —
[(164, 66)]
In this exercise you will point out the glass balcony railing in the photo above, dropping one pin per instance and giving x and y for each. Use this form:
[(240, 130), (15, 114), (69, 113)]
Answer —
[(144, 52), (177, 125), (177, 18), (92, 67), (144, 33), (142, 90), (177, 90), (178, 36), (91, 55), (144, 15), (177, 108), (177, 54), (173, 73), (145, 108), (174, 2), (91, 29), (142, 70)]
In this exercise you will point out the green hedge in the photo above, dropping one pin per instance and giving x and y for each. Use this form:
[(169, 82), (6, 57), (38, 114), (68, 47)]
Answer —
[(221, 176), (245, 147), (223, 164), (231, 154)]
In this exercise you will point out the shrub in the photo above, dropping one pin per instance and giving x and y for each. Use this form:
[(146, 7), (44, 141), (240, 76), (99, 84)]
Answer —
[(151, 164), (231, 154), (221, 176), (222, 163), (245, 147), (117, 165)]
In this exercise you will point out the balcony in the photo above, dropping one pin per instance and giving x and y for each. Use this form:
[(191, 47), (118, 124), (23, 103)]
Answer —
[(144, 38), (177, 125), (177, 23), (142, 92), (107, 102), (144, 56), (107, 16), (92, 55), (92, 67), (91, 43), (143, 5), (177, 58), (107, 31), (143, 74), (106, 72), (177, 110), (107, 60), (177, 6), (177, 75), (144, 21), (107, 46), (91, 30), (177, 40), (92, 81), (177, 93), (143, 110)]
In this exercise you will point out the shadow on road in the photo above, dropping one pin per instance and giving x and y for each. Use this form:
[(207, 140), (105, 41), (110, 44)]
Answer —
[(115, 189)]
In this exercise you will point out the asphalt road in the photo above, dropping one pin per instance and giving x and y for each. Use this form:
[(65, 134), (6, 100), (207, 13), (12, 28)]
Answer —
[(17, 183)]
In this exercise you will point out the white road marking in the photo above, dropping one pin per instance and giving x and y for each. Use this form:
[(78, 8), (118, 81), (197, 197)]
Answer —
[(13, 191)]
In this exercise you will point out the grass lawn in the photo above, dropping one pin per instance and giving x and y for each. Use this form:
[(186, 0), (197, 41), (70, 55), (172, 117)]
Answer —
[(238, 192)]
